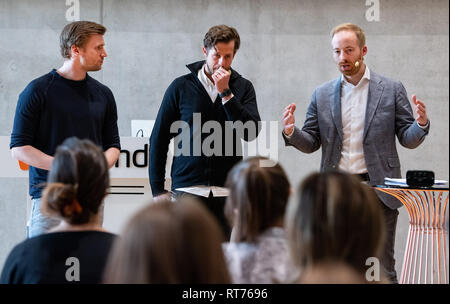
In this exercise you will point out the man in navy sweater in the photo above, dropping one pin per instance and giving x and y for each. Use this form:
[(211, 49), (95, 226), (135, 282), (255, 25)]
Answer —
[(211, 94), (64, 103)]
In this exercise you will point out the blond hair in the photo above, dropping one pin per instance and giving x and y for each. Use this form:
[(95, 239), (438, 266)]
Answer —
[(353, 28), (169, 242)]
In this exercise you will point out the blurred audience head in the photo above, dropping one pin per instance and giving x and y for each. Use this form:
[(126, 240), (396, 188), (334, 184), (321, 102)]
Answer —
[(258, 198), (77, 181), (169, 242), (337, 219), (331, 273)]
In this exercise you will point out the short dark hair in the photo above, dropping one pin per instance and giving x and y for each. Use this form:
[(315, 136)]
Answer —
[(259, 194), (221, 33), (77, 181), (77, 33)]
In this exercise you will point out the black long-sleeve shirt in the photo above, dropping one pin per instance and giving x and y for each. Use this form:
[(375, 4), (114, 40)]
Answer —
[(185, 97), (47, 258), (52, 108)]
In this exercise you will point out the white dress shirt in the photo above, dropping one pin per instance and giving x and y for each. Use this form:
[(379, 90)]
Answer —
[(353, 111), (207, 84)]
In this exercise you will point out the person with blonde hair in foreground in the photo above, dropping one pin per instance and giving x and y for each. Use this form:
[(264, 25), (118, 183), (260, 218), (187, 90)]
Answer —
[(169, 242)]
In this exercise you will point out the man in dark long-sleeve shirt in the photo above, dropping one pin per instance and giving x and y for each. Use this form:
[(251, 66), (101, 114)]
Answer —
[(199, 109), (64, 103)]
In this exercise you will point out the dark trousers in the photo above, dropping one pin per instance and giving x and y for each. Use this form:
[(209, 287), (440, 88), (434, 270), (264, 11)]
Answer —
[(387, 259), (390, 218), (216, 206)]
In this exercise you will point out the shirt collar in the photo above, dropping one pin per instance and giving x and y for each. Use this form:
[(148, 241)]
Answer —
[(203, 77), (365, 76)]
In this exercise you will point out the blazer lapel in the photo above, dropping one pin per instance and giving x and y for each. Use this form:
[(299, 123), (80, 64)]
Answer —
[(373, 99), (335, 105)]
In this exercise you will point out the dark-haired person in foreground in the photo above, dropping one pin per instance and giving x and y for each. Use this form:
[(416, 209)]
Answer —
[(63, 103), (76, 250), (334, 226), (217, 95), (258, 250)]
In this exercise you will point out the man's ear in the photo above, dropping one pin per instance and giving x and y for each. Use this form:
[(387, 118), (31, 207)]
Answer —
[(74, 51), (205, 52), (364, 50)]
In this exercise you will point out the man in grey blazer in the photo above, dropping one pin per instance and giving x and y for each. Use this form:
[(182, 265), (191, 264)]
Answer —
[(355, 119)]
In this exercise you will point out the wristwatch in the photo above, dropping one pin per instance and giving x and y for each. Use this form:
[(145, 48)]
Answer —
[(225, 93)]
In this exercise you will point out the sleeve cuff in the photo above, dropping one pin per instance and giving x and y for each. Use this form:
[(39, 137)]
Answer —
[(290, 135), (425, 127), (231, 96)]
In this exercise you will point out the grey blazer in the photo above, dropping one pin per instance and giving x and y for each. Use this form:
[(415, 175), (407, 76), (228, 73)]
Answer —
[(388, 114)]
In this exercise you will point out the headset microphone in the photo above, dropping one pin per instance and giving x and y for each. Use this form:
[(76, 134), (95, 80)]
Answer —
[(357, 62)]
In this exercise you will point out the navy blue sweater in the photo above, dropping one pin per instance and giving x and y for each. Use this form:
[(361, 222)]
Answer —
[(184, 97), (52, 108)]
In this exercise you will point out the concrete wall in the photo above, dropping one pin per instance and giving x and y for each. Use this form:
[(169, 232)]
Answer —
[(285, 52)]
